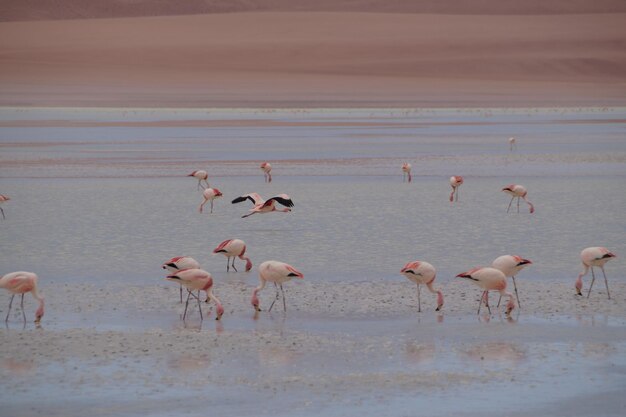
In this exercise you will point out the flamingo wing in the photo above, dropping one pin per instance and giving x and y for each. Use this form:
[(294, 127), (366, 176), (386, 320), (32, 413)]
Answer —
[(254, 197), (282, 199)]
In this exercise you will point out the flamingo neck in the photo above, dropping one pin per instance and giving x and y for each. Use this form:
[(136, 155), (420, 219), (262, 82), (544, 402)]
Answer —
[(248, 262)]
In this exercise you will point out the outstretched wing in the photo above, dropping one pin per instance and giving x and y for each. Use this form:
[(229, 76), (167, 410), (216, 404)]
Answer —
[(282, 199), (254, 197)]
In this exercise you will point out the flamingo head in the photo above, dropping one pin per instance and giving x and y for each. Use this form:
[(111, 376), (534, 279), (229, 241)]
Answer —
[(220, 312), (39, 312), (248, 264), (255, 301), (510, 306), (439, 300)]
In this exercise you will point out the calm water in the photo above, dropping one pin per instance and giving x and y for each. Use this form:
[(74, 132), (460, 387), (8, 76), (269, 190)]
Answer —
[(112, 201)]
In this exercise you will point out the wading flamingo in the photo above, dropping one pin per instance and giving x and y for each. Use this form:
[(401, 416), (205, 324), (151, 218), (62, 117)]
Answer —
[(3, 198), (209, 194), (406, 171), (20, 283), (510, 265), (233, 248), (594, 256), (422, 273), (178, 264), (519, 191), (263, 206), (278, 273), (201, 176), (512, 143), (455, 183), (489, 279), (197, 280), (267, 169)]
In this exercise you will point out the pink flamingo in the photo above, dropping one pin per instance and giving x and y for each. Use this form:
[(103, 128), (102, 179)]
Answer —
[(3, 198), (20, 283), (233, 248), (519, 191), (179, 263), (267, 169), (209, 194), (406, 171), (593, 256), (263, 206), (201, 176), (510, 265), (195, 280), (422, 273), (455, 183), (278, 273), (489, 279), (512, 143)]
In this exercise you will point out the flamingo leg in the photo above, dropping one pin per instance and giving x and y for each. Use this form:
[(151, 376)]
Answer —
[(593, 278), (200, 306), (227, 263), (487, 301), (277, 296), (516, 295), (22, 305), (457, 194), (499, 299), (186, 304), (482, 297), (518, 204), (211, 206), (419, 301), (198, 187), (606, 282), (181, 294), (234, 264), (283, 295), (9, 312), (510, 202), (2, 213)]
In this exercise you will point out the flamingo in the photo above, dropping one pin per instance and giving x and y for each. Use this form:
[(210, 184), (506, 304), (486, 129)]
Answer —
[(406, 171), (422, 273), (201, 176), (593, 256), (512, 143), (489, 279), (209, 194), (510, 265), (455, 183), (195, 280), (519, 191), (21, 282), (278, 273), (3, 198), (263, 206), (233, 248), (267, 169), (178, 264)]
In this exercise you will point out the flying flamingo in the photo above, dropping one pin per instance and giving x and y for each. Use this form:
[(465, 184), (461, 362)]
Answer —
[(209, 194), (489, 279), (406, 171), (195, 280), (178, 264), (455, 183), (233, 248), (3, 198), (267, 169), (276, 272), (422, 273), (201, 176), (20, 283), (262, 206), (519, 191), (510, 265), (512, 143), (594, 256)]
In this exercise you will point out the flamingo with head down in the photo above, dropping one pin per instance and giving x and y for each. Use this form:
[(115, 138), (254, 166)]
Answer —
[(265, 206), (590, 257), (406, 171), (200, 175), (455, 182), (518, 191), (422, 273), (179, 263), (209, 194), (267, 169), (510, 265), (233, 248), (278, 273), (21, 282), (489, 279), (197, 280)]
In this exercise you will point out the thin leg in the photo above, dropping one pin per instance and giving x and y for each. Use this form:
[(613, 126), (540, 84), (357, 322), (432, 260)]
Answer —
[(593, 278), (22, 305), (186, 304), (234, 264), (9, 312), (198, 187), (606, 282), (419, 301), (2, 213), (283, 295), (199, 306), (510, 202), (277, 296), (482, 296), (487, 301), (211, 206), (518, 204), (457, 193), (181, 294), (227, 263), (499, 299), (516, 296)]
